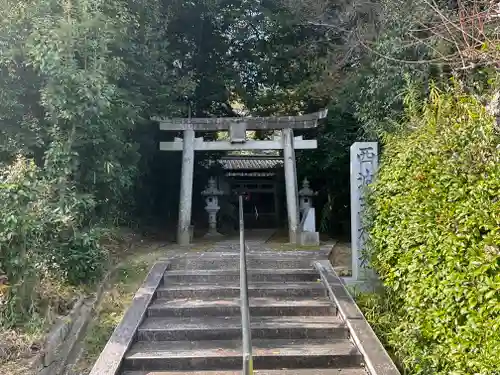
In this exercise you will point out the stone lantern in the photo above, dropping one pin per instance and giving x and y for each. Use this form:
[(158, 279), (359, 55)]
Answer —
[(211, 194), (308, 234), (305, 196)]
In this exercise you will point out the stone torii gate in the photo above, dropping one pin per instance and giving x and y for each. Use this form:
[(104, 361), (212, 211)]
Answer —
[(237, 127)]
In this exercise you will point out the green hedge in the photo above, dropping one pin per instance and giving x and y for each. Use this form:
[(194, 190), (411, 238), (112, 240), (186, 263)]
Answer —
[(435, 238)]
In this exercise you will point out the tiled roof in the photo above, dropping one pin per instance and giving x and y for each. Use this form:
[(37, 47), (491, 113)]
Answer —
[(250, 174), (250, 163)]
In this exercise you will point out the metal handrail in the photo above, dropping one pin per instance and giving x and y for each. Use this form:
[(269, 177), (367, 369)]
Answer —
[(245, 309)]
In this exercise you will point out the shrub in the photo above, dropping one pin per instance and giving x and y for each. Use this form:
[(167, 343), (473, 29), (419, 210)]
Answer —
[(435, 237), (81, 258), (42, 235)]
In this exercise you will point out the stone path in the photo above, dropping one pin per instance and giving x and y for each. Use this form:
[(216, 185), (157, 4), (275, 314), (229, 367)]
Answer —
[(254, 239)]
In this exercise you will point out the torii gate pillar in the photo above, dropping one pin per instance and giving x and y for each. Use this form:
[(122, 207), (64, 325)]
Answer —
[(292, 201), (186, 194)]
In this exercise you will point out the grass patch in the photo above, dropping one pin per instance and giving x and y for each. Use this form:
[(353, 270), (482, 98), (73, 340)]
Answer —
[(20, 344), (379, 312), (52, 299), (115, 301)]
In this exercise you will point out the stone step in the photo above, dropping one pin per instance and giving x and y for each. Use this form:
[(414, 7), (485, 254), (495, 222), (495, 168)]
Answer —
[(259, 306), (252, 253), (222, 275), (229, 328), (226, 355), (255, 289), (348, 371), (218, 263)]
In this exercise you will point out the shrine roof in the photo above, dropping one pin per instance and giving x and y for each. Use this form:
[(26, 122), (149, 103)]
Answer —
[(248, 163), (250, 174)]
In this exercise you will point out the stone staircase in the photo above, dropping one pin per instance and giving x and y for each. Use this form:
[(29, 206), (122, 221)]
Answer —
[(193, 323)]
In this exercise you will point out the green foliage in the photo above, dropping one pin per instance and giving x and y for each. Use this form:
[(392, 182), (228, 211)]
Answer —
[(380, 310), (435, 236), (41, 234), (91, 68), (81, 259), (67, 154)]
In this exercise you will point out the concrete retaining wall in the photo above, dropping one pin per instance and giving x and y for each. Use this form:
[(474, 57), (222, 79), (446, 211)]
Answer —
[(66, 333)]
